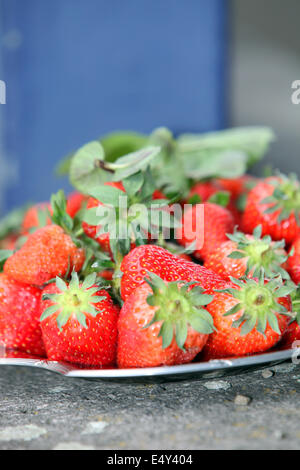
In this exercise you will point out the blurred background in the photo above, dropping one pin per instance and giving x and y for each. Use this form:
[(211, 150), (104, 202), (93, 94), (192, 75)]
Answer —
[(77, 69)]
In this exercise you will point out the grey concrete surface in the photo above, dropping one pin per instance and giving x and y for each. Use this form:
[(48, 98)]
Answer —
[(39, 410)]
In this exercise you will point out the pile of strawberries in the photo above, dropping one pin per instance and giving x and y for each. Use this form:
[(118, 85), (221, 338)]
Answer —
[(73, 288)]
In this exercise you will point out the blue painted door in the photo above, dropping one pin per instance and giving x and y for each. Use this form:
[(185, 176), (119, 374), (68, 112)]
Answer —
[(76, 69)]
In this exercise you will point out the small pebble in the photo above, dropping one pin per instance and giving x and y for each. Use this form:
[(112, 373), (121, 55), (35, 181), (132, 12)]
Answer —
[(242, 400), (279, 434), (217, 385), (267, 374), (95, 427)]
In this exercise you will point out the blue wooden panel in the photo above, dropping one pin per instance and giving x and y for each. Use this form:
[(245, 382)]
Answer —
[(76, 69)]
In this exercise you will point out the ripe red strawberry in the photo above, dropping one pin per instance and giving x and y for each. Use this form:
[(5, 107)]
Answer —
[(208, 191), (33, 216), (19, 317), (207, 225), (79, 322), (74, 203), (274, 203), (155, 313), (293, 264), (91, 230), (39, 212), (167, 266), (293, 331), (203, 190), (236, 186), (257, 316), (246, 255), (47, 253)]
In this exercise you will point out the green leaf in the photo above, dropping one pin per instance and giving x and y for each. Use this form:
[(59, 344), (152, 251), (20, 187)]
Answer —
[(167, 333), (133, 163), (236, 255), (89, 281), (221, 198), (108, 195), (122, 143), (253, 142), (48, 312), (233, 310), (84, 170), (211, 163), (60, 284), (133, 183), (81, 319), (181, 332)]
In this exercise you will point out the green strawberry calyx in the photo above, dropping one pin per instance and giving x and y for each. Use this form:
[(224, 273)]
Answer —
[(129, 216), (179, 305), (295, 296), (74, 299), (258, 302), (285, 197), (261, 253)]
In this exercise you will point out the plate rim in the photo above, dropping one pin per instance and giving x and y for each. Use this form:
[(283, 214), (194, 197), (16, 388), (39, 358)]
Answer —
[(70, 370)]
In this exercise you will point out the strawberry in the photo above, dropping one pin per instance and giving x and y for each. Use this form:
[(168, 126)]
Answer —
[(257, 316), (47, 253), (19, 317), (167, 266), (274, 203), (151, 316), (293, 265), (128, 208), (236, 186), (92, 230), (74, 203), (203, 191), (293, 331), (207, 225), (210, 192), (246, 255), (79, 322), (36, 216)]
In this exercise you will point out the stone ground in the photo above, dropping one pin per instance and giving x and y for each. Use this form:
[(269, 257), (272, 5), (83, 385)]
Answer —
[(40, 410)]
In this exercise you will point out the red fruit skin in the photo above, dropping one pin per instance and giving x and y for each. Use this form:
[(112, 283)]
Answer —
[(217, 220), (74, 203), (166, 265), (204, 190), (95, 345), (236, 186), (293, 262), (225, 267), (20, 317), (47, 253), (142, 347), (219, 262), (292, 334), (91, 230), (254, 215), (31, 219), (227, 341)]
